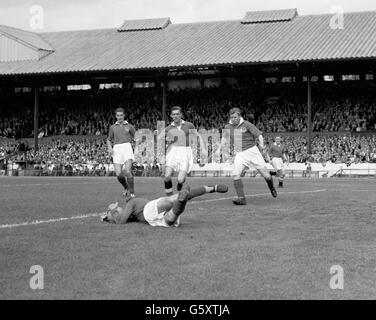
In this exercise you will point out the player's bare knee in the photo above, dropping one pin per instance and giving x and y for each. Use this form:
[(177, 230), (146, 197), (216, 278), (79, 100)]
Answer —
[(170, 218)]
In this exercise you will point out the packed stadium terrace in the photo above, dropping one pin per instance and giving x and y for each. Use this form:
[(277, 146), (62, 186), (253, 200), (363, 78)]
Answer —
[(89, 156), (84, 113)]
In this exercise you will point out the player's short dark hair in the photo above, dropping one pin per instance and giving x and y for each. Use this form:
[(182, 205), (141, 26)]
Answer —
[(177, 108), (120, 110), (235, 110)]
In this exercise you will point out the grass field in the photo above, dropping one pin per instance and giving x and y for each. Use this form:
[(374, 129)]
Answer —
[(270, 249)]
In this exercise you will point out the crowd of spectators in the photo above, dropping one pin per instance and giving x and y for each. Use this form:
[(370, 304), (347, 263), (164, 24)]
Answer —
[(330, 116), (7, 147), (89, 157), (335, 149), (85, 113), (73, 157)]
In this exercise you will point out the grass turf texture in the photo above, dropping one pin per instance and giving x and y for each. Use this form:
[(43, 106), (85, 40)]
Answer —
[(270, 249)]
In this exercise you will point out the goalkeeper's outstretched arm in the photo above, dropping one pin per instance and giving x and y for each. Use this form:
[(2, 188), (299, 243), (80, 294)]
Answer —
[(122, 215)]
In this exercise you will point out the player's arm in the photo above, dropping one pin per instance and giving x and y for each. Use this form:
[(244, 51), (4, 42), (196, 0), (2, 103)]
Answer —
[(260, 139), (132, 132), (268, 152), (110, 138), (123, 216), (285, 156), (263, 149)]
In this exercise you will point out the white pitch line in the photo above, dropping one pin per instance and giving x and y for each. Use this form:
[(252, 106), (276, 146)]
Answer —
[(353, 190), (23, 224), (90, 215), (52, 184)]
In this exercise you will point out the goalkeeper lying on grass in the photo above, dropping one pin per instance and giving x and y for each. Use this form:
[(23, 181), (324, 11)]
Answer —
[(162, 212)]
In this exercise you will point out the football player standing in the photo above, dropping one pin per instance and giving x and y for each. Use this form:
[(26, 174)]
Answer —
[(119, 144), (179, 156), (277, 153), (249, 148)]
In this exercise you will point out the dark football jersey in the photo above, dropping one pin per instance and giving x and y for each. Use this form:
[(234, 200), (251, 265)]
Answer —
[(249, 135), (179, 136), (133, 211), (121, 133), (277, 150)]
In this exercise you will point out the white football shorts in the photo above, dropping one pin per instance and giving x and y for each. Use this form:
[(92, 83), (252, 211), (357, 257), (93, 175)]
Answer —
[(277, 164), (180, 159), (122, 153), (154, 218), (251, 157)]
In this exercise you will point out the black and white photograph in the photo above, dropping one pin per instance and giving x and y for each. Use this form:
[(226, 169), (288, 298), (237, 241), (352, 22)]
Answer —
[(171, 152)]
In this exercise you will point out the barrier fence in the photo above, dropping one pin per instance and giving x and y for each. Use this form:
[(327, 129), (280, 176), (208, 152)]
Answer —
[(290, 174)]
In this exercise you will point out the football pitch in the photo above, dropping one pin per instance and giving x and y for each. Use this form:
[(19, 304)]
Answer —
[(270, 249)]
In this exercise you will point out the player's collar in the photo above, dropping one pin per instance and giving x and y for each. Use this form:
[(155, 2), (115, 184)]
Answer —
[(240, 122), (124, 122), (182, 122)]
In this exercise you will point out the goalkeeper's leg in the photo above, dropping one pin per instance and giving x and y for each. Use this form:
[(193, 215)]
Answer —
[(174, 205)]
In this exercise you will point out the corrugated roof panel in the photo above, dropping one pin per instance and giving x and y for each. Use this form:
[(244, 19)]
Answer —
[(269, 16), (305, 38), (30, 38), (145, 24)]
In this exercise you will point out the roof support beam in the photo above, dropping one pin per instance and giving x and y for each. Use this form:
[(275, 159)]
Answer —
[(164, 97), (36, 116), (309, 120)]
